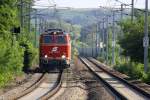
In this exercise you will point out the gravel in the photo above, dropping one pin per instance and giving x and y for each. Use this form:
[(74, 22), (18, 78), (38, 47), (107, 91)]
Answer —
[(82, 85)]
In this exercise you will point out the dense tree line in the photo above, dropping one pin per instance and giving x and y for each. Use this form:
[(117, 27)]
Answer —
[(132, 42), (11, 44), (132, 48)]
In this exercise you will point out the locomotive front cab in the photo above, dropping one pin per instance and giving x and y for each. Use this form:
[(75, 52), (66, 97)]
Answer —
[(55, 49)]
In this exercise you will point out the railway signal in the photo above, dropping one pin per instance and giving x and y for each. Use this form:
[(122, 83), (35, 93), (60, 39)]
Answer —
[(145, 42)]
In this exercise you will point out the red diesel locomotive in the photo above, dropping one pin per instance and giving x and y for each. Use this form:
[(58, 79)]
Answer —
[(55, 47)]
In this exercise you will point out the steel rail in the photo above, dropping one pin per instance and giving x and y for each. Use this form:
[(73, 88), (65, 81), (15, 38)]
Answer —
[(117, 94), (48, 94), (29, 89), (146, 94), (55, 89), (33, 87)]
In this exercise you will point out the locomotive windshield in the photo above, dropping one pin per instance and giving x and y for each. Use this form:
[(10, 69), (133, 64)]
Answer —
[(48, 39), (54, 39), (61, 40)]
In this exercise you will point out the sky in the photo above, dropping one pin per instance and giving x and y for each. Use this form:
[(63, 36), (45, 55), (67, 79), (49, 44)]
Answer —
[(90, 3)]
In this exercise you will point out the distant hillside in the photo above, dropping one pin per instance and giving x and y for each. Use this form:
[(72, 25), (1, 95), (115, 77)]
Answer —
[(80, 16)]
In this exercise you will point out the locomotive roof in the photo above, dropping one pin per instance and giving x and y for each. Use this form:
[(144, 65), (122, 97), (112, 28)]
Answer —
[(55, 32), (54, 29)]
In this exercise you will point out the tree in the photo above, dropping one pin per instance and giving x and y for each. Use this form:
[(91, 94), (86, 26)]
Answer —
[(132, 42), (12, 53)]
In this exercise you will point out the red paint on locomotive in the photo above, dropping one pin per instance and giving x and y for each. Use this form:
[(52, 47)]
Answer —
[(55, 46)]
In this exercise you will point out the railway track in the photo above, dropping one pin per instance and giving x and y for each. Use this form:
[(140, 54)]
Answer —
[(43, 88), (55, 89), (32, 87), (46, 89), (24, 88), (119, 87)]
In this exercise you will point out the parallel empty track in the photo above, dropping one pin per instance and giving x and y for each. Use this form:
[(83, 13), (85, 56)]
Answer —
[(119, 88)]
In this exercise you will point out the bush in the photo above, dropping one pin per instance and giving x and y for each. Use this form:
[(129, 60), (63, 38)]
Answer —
[(33, 55), (11, 61), (74, 53), (30, 55), (100, 59), (134, 70), (5, 78), (146, 77)]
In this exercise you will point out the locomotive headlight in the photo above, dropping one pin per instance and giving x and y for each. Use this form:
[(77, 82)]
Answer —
[(63, 56), (45, 56)]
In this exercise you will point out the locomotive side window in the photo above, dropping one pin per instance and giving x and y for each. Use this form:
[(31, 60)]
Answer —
[(47, 39), (61, 39)]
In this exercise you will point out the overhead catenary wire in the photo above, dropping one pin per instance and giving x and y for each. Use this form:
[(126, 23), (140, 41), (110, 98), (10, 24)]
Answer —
[(123, 3), (49, 2), (130, 5)]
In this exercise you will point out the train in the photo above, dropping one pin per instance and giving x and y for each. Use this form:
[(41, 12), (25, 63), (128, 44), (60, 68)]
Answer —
[(55, 49)]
